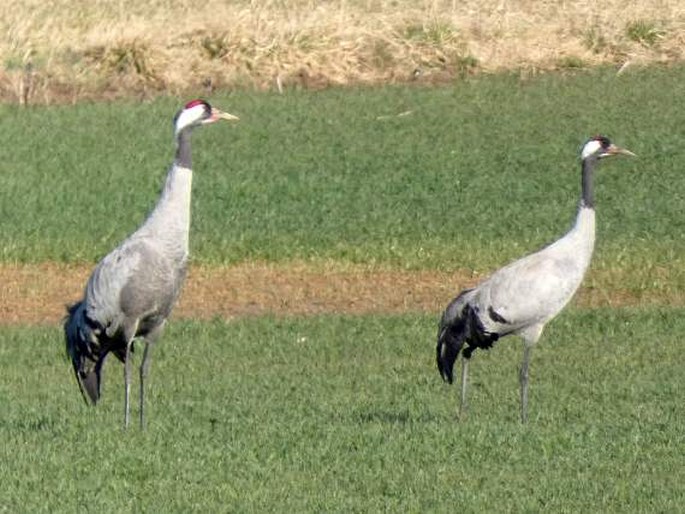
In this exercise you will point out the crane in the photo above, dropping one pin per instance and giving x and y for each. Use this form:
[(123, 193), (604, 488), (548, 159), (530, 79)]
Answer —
[(132, 290), (520, 298)]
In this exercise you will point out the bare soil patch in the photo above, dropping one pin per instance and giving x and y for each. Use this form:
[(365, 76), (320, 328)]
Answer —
[(38, 294)]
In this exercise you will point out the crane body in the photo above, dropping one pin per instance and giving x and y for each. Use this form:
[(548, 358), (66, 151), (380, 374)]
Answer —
[(520, 298), (133, 289)]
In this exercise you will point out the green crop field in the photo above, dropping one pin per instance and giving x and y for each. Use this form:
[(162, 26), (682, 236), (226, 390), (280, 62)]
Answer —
[(348, 414), (474, 175)]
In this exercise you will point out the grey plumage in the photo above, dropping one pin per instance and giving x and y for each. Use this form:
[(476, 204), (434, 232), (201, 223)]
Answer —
[(523, 296), (133, 289)]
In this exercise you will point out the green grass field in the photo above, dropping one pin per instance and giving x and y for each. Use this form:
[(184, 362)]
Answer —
[(348, 414), (477, 173)]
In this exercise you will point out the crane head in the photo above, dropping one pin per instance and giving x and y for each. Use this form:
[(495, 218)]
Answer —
[(199, 112), (600, 147)]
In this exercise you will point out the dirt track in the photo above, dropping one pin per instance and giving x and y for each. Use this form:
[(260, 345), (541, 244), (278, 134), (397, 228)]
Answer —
[(37, 294)]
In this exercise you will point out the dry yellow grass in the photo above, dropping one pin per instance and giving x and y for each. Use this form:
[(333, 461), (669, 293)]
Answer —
[(66, 50)]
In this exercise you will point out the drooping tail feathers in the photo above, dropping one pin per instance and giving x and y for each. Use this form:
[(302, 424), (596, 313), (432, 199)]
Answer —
[(452, 334), (460, 324), (451, 338), (83, 350)]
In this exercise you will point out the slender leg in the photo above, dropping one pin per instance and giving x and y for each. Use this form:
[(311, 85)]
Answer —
[(527, 350), (127, 382), (464, 382), (150, 339), (144, 369)]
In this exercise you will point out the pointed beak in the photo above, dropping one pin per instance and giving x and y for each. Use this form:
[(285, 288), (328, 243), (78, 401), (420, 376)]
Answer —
[(616, 150), (221, 115)]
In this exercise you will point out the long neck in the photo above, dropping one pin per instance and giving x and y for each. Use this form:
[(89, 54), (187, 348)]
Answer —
[(169, 222), (170, 218), (582, 236), (172, 212), (588, 196), (183, 153)]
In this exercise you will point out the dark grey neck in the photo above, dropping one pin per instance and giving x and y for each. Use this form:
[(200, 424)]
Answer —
[(588, 196), (183, 154)]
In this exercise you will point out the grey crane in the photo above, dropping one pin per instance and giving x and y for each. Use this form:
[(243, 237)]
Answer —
[(133, 289), (523, 296)]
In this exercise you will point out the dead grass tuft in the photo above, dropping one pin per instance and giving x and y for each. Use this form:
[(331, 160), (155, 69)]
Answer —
[(92, 49)]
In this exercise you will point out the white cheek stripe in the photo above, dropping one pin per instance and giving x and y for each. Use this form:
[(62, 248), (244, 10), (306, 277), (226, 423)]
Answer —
[(188, 116), (590, 147)]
